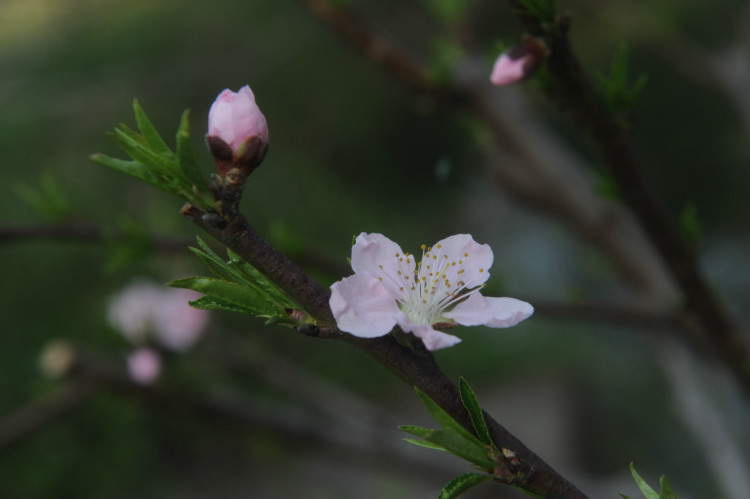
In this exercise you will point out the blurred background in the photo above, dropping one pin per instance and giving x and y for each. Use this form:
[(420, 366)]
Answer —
[(254, 411)]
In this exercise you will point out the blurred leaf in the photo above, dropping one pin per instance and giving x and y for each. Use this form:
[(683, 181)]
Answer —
[(544, 10), (461, 484), (135, 245), (445, 53), (47, 200), (448, 11), (469, 400), (618, 95), (605, 184), (690, 224)]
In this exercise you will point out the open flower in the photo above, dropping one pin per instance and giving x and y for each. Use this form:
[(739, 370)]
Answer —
[(389, 288)]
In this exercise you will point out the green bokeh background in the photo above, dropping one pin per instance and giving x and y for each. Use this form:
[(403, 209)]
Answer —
[(352, 150)]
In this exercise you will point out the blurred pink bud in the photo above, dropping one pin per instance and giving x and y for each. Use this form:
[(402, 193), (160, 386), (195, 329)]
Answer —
[(518, 62), (237, 131), (145, 308), (144, 366)]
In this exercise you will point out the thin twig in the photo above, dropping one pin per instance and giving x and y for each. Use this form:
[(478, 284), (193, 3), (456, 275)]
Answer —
[(81, 231)]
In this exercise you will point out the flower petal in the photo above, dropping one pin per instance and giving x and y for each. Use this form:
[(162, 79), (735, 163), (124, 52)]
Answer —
[(507, 70), (362, 306), (473, 260), (432, 338), (381, 257), (480, 310)]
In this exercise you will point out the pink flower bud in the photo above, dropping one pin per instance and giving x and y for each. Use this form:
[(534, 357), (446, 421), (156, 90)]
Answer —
[(144, 366), (518, 62), (237, 131)]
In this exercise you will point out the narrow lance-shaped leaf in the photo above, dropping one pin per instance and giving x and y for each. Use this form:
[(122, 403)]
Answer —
[(149, 133), (245, 297), (186, 153), (443, 418), (469, 400), (260, 280), (462, 483), (647, 491), (472, 450)]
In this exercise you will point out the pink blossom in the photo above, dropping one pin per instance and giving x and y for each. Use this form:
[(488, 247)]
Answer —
[(390, 288), (235, 118), (518, 62), (144, 365), (146, 309), (507, 70)]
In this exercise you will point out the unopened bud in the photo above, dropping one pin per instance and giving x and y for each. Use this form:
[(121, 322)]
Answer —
[(237, 132), (519, 62)]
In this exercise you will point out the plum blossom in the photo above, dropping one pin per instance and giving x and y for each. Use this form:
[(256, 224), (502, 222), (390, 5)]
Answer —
[(237, 130), (389, 287)]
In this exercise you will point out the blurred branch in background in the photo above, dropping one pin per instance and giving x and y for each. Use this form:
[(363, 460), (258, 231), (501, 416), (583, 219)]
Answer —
[(648, 250)]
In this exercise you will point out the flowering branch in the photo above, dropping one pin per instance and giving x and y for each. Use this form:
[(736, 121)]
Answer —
[(417, 367)]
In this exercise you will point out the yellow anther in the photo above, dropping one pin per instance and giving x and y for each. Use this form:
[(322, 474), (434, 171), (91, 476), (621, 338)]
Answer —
[(460, 271), (424, 247), (466, 254)]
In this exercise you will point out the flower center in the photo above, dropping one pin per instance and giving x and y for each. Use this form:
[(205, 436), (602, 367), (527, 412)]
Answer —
[(434, 286)]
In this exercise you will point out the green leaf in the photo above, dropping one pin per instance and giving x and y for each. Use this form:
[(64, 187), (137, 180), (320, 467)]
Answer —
[(469, 399), (646, 490), (690, 224), (186, 153), (448, 11), (666, 492), (444, 419), (48, 199), (253, 275), (244, 297), (544, 10), (213, 303), (149, 133), (456, 443), (416, 430), (462, 483), (424, 443), (618, 94)]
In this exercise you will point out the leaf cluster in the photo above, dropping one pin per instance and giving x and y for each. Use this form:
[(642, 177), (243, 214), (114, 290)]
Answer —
[(618, 93), (237, 287), (480, 450), (155, 163), (666, 490)]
